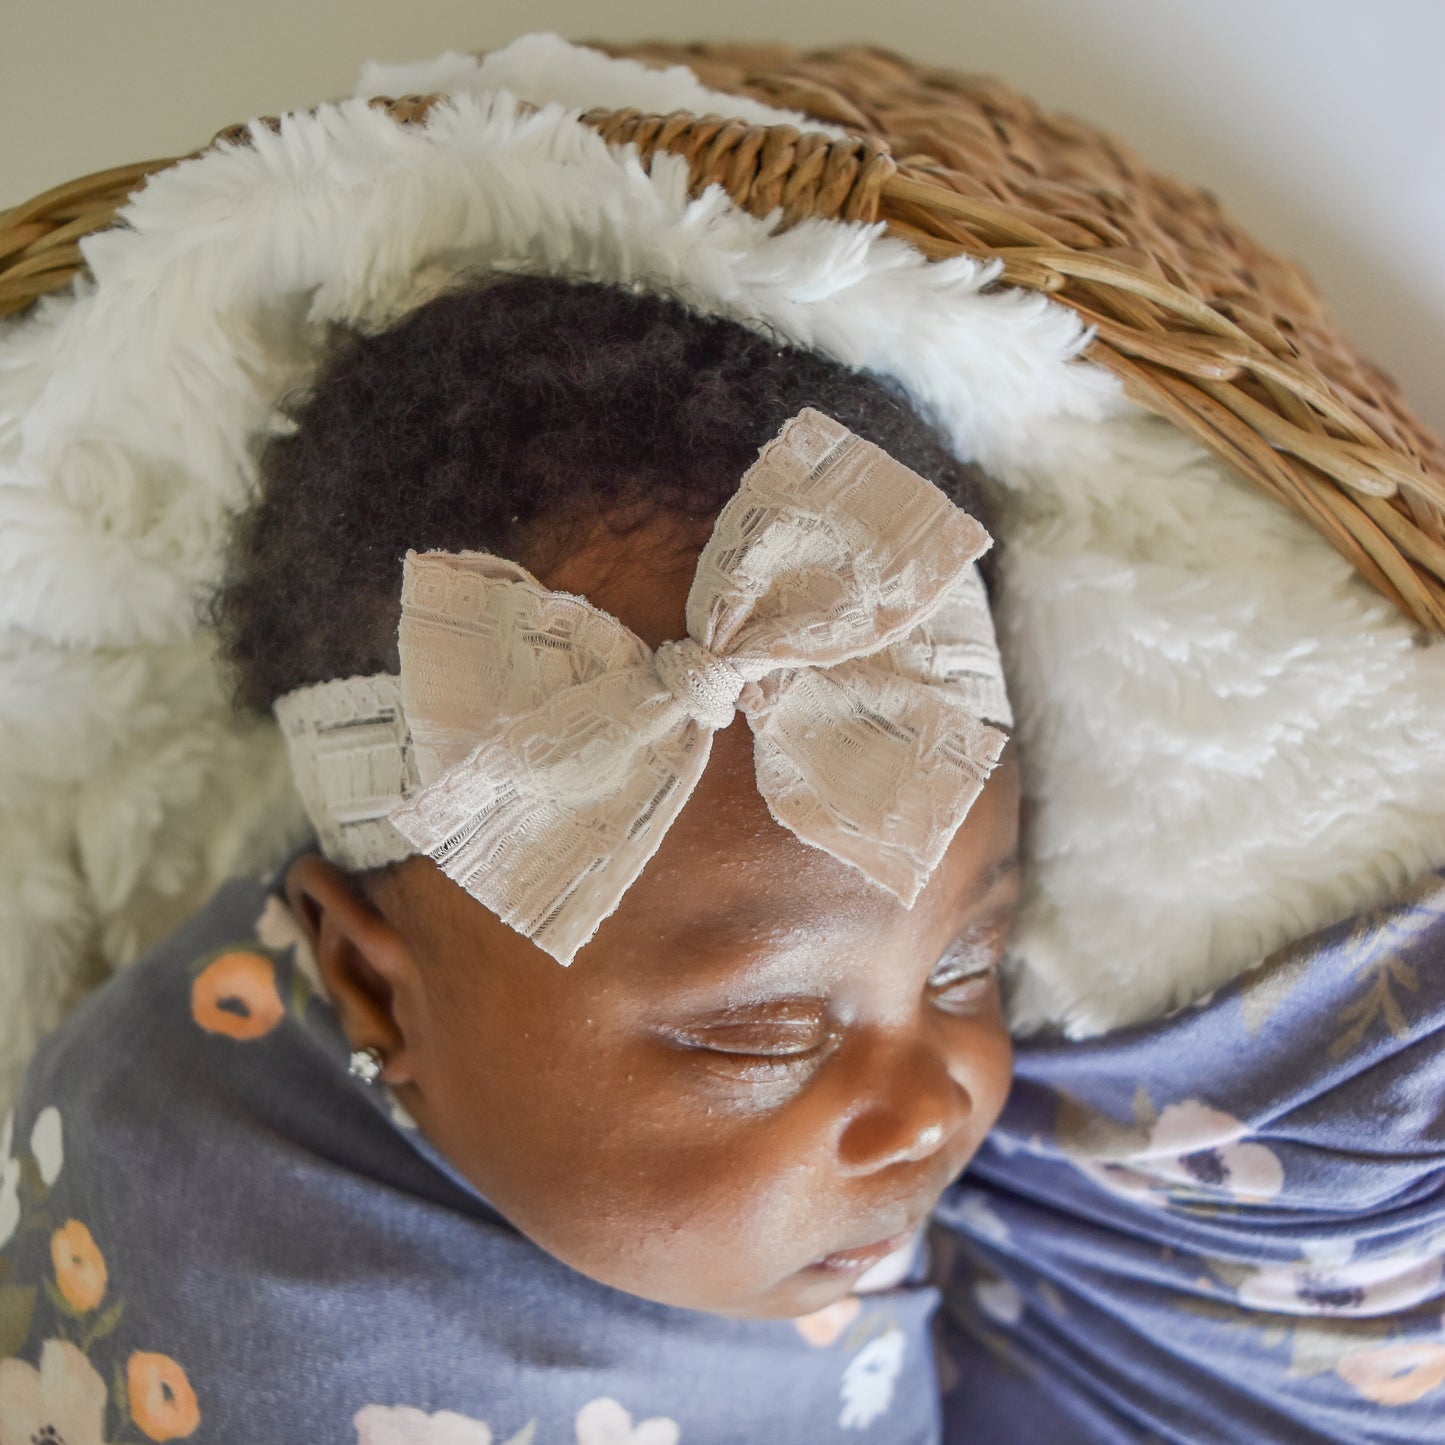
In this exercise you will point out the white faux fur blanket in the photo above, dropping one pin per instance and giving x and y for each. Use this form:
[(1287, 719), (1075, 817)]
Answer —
[(1228, 738)]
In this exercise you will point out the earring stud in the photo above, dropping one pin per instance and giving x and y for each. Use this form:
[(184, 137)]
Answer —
[(366, 1064)]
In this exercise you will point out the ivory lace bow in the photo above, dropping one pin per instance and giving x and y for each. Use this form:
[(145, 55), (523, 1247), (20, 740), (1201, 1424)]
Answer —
[(836, 605)]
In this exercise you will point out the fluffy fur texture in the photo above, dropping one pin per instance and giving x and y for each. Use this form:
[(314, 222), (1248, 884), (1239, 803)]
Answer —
[(1228, 738)]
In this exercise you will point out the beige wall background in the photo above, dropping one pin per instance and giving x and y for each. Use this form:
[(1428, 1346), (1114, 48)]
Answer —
[(1319, 123)]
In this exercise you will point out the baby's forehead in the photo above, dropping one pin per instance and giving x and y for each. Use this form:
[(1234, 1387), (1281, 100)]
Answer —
[(734, 899)]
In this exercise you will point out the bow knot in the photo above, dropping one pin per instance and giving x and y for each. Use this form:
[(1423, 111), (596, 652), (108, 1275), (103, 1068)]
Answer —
[(706, 686), (836, 600)]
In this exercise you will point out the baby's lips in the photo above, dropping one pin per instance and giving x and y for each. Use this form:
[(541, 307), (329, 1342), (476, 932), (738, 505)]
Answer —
[(847, 1260)]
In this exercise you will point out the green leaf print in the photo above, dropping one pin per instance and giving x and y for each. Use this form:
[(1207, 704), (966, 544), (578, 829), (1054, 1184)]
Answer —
[(300, 992), (119, 1395), (34, 1189), (103, 1326), (17, 1309)]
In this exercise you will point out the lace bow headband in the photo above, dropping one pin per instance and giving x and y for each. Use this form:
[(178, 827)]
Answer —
[(538, 751)]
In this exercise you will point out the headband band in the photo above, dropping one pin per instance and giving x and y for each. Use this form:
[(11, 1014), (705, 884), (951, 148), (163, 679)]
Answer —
[(537, 750)]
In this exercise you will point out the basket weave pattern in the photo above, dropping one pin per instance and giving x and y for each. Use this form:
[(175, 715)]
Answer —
[(1203, 326)]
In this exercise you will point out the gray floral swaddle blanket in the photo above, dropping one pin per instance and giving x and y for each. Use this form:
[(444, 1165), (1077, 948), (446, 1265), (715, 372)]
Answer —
[(1227, 1225), (210, 1231)]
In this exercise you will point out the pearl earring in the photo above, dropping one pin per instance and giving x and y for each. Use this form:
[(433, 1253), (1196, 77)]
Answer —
[(366, 1064)]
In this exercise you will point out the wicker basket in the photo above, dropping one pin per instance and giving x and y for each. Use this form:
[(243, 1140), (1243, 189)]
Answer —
[(1203, 326)]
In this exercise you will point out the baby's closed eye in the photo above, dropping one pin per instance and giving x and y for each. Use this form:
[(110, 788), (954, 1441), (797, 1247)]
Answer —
[(966, 975), (765, 1039)]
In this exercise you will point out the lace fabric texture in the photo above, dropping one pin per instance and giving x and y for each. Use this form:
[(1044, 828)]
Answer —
[(543, 749), (352, 758)]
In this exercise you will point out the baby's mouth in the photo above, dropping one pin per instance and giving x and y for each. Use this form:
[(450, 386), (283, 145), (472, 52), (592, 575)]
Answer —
[(850, 1261)]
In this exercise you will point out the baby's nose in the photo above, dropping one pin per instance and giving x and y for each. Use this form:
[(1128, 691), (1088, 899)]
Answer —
[(911, 1106)]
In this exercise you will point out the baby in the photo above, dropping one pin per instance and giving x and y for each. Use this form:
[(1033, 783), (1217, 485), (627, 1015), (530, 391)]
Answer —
[(754, 1047), (590, 1077), (686, 1175)]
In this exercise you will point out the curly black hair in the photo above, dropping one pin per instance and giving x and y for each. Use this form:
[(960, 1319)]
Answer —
[(504, 408)]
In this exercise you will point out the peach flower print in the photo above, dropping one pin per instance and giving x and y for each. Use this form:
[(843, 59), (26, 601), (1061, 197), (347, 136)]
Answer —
[(64, 1400), (236, 995), (79, 1265), (1395, 1374), (824, 1326), (162, 1402)]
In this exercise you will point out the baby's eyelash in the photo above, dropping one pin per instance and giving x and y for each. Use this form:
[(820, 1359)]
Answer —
[(767, 1065), (767, 1068), (964, 994), (757, 1047), (973, 952), (965, 975)]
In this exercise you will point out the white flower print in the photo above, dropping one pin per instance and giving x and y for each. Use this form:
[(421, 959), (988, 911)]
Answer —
[(977, 1216), (869, 1380), (63, 1400), (1385, 1284), (400, 1114), (1190, 1152), (45, 1144), (1200, 1147), (1327, 1252), (604, 1422), (406, 1425), (278, 928), (1000, 1300)]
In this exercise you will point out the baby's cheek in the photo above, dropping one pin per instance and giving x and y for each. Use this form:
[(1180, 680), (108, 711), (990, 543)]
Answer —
[(629, 1165), (704, 1211), (991, 1075)]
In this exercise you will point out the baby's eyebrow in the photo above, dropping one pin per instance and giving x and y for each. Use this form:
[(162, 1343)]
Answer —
[(753, 920), (1002, 868), (704, 939)]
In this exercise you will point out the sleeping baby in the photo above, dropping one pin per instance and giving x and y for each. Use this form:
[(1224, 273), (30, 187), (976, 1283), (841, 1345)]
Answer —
[(610, 1065)]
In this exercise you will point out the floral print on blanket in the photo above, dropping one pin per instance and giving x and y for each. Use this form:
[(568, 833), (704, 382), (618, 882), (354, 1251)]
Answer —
[(64, 1397), (1187, 1153), (877, 1347), (235, 995), (1224, 1224), (122, 1323), (869, 1379), (602, 1421)]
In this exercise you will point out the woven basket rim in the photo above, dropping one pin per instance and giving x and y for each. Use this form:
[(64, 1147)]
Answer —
[(1322, 431)]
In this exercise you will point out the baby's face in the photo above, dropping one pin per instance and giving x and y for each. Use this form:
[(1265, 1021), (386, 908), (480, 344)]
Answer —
[(759, 1061)]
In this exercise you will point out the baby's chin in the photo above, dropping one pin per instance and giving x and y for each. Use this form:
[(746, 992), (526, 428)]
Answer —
[(805, 1295), (815, 1288)]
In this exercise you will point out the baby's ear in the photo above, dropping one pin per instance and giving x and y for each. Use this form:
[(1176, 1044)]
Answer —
[(361, 957)]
